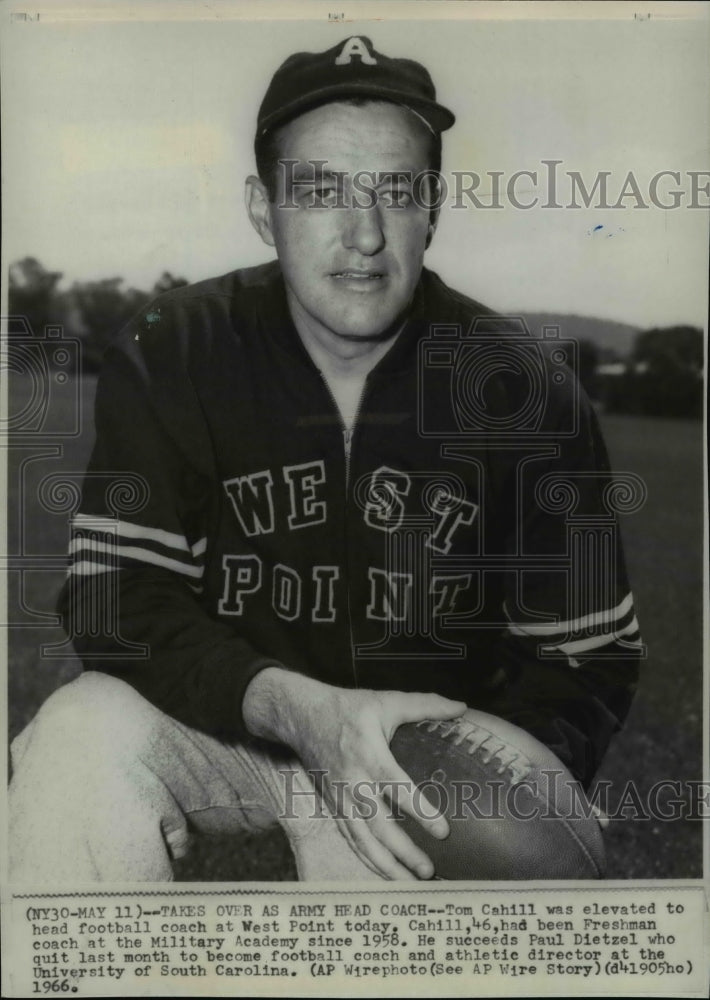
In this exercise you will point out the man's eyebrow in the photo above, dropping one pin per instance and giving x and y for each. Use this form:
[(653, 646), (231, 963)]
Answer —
[(385, 177), (308, 172)]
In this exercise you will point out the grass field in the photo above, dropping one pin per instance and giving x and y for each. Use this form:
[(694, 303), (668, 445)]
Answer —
[(662, 740)]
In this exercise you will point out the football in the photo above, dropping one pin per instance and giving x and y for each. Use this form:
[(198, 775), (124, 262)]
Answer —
[(514, 810)]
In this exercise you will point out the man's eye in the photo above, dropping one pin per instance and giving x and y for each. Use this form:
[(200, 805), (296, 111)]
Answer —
[(310, 195), (325, 195), (395, 198)]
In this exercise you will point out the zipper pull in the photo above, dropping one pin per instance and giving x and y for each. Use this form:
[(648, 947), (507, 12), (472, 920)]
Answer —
[(347, 444)]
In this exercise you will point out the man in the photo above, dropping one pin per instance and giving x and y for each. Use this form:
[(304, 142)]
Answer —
[(317, 482)]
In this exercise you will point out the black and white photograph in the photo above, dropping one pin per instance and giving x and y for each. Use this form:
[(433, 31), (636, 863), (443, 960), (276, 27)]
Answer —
[(354, 376)]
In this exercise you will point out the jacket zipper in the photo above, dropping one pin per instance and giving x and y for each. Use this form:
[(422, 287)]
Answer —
[(347, 444), (348, 434)]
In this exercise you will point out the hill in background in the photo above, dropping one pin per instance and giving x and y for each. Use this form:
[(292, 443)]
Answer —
[(614, 340)]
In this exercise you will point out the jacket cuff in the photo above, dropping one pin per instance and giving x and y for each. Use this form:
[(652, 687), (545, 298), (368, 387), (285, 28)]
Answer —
[(222, 687)]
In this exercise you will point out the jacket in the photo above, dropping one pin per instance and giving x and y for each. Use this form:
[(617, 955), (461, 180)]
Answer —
[(228, 522)]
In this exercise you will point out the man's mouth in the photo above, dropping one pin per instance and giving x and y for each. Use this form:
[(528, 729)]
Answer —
[(355, 275)]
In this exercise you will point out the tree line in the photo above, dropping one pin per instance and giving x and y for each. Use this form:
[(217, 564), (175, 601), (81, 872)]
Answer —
[(662, 375), (91, 311)]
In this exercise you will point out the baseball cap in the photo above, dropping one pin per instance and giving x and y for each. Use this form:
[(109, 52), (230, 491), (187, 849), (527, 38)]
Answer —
[(353, 68)]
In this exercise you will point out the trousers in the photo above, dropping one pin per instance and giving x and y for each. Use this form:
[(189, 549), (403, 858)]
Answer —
[(106, 788)]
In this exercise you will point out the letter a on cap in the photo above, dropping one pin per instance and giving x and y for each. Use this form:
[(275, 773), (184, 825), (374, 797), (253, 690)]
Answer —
[(355, 47)]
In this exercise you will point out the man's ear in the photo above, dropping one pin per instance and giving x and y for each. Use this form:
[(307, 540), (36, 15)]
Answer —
[(259, 208), (433, 223)]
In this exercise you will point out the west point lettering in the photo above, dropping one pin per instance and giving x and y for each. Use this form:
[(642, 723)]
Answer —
[(293, 596)]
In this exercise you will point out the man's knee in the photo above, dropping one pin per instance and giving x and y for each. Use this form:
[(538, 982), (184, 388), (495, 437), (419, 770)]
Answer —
[(93, 713), (85, 799)]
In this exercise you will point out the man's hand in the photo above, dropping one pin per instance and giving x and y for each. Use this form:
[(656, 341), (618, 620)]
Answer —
[(345, 734)]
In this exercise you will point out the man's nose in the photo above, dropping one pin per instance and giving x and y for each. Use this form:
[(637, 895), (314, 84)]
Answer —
[(363, 230)]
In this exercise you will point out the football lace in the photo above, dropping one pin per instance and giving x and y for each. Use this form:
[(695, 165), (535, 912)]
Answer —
[(460, 731)]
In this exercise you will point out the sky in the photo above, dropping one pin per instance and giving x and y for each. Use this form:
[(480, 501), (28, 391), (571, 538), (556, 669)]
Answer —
[(128, 134)]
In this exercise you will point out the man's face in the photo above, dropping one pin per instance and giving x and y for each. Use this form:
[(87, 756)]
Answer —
[(350, 271)]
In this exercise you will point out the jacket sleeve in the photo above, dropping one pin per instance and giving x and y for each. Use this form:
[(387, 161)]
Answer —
[(131, 600), (572, 647)]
